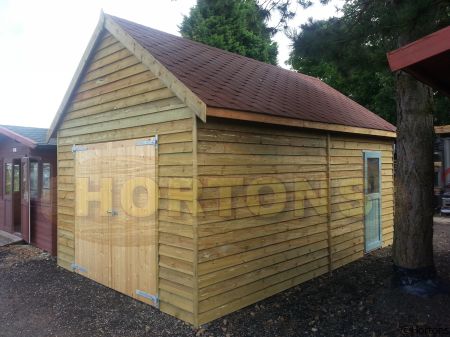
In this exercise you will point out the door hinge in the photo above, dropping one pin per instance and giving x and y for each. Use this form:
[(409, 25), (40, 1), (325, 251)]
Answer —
[(150, 141), (152, 298), (78, 148), (78, 268)]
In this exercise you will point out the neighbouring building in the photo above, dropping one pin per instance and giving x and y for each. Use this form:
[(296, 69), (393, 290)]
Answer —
[(28, 185)]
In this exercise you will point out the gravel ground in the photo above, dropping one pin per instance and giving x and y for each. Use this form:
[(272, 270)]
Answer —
[(39, 299)]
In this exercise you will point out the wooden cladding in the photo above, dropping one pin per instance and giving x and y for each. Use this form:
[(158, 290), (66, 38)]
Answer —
[(312, 219), (120, 99), (245, 210)]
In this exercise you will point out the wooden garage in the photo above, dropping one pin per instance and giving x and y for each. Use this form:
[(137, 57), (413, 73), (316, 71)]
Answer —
[(28, 185), (200, 181)]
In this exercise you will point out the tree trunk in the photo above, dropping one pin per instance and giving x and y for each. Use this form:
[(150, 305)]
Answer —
[(413, 229)]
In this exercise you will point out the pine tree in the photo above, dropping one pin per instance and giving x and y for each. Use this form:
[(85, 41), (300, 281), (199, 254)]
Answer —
[(238, 26)]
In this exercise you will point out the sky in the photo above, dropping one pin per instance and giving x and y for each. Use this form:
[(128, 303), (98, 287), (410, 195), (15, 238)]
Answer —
[(43, 41)]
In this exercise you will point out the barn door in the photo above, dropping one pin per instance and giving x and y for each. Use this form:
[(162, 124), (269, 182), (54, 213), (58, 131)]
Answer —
[(372, 194), (25, 200), (115, 222), (93, 188)]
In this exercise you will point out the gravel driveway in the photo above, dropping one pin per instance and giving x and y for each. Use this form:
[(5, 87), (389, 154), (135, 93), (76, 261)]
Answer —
[(39, 299)]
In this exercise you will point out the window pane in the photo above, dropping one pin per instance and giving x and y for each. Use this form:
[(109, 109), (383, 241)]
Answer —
[(8, 178), (373, 175), (16, 178), (34, 179), (46, 176)]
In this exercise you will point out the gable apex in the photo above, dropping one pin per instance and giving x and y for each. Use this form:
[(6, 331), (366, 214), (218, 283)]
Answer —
[(106, 24)]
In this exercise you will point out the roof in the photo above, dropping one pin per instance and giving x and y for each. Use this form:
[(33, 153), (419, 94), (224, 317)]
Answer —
[(226, 80), (208, 78), (30, 136), (427, 59)]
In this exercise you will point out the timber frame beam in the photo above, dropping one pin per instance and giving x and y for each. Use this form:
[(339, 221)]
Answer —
[(277, 120)]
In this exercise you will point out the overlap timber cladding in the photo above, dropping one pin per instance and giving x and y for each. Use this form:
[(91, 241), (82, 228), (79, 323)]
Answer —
[(233, 253), (244, 257), (120, 99)]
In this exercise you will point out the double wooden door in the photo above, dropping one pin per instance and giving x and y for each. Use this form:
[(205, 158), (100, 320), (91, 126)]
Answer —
[(115, 216)]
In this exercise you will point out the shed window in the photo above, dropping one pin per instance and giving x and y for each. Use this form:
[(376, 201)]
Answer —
[(34, 179), (16, 182), (373, 172), (46, 173), (8, 178)]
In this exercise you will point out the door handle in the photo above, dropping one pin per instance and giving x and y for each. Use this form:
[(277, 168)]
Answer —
[(112, 212)]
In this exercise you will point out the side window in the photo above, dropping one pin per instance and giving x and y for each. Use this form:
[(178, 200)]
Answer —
[(34, 180), (16, 182), (8, 178), (46, 174)]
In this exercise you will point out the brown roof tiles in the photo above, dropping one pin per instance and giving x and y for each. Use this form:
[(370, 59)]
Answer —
[(226, 80)]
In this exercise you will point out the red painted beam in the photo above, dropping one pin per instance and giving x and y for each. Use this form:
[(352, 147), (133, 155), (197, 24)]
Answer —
[(420, 50)]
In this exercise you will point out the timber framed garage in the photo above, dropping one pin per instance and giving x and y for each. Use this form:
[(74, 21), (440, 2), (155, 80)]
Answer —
[(28, 185), (200, 181)]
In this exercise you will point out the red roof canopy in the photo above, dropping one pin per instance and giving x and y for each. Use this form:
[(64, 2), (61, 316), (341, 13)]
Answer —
[(427, 59)]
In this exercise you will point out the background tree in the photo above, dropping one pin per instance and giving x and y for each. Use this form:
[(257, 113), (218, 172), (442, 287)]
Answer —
[(239, 26), (350, 53), (338, 52)]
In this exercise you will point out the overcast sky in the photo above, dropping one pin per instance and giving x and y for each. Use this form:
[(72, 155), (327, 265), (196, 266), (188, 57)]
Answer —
[(43, 40)]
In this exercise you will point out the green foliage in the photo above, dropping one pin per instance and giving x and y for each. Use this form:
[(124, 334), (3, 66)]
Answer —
[(349, 52), (238, 26)]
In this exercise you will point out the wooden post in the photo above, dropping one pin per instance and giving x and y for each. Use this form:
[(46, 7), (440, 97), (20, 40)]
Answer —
[(330, 260), (195, 215)]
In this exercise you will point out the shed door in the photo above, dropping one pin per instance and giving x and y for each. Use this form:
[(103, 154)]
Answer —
[(115, 225), (372, 194), (25, 200)]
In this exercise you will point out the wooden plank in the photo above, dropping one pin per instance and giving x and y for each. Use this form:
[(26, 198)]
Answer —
[(128, 133), (151, 119), (139, 78), (108, 59), (183, 92), (127, 102), (111, 68), (131, 90), (176, 264), (262, 118), (243, 267), (259, 295), (127, 112), (177, 312), (242, 246), (113, 77), (226, 287)]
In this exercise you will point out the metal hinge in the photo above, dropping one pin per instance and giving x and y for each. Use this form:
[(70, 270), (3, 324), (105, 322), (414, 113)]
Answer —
[(152, 298), (150, 141), (78, 268), (78, 148)]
